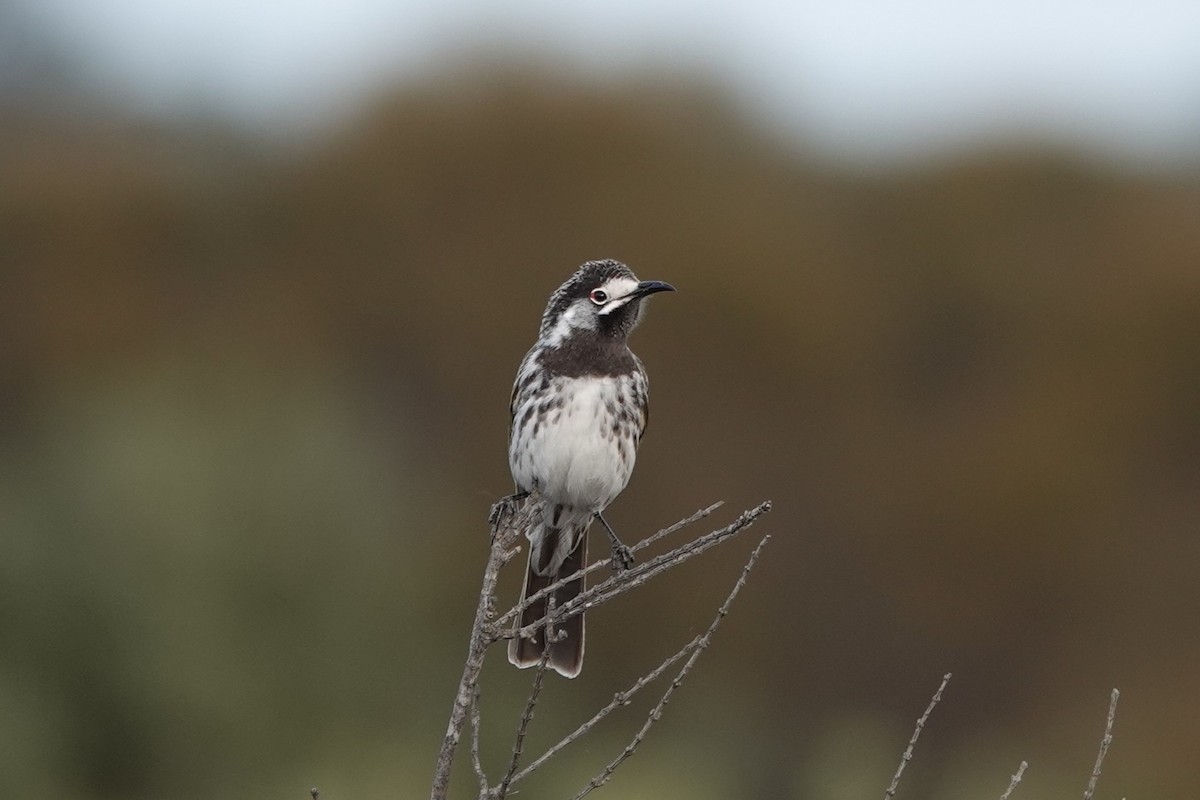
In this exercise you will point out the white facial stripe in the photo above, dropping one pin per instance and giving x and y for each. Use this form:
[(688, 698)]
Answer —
[(619, 291), (577, 316)]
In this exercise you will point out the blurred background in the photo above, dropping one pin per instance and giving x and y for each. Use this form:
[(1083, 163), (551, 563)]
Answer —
[(266, 273)]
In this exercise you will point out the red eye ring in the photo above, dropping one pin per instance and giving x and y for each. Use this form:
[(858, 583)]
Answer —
[(598, 296)]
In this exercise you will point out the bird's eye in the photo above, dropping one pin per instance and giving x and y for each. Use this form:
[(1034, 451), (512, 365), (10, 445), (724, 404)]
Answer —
[(599, 296)]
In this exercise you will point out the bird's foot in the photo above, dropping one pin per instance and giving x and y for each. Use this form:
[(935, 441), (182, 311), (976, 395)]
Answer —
[(622, 557), (505, 510)]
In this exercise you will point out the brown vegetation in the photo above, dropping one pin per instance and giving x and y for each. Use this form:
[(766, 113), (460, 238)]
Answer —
[(253, 413)]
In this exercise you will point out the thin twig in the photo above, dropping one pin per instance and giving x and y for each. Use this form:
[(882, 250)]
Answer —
[(604, 562), (619, 699), (904, 759), (632, 578), (475, 762), (1016, 778), (1104, 743), (507, 522), (527, 713), (509, 518), (656, 712), (667, 531)]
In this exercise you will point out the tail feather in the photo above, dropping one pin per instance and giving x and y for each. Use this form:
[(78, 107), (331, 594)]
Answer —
[(566, 652)]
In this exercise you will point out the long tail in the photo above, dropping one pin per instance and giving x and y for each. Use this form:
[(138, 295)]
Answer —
[(566, 652)]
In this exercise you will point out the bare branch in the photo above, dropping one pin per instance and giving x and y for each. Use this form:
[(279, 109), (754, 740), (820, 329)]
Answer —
[(667, 531), (604, 562), (527, 714), (656, 712), (904, 759), (1104, 743), (507, 521), (480, 775), (1016, 778), (619, 699), (629, 579), (509, 518)]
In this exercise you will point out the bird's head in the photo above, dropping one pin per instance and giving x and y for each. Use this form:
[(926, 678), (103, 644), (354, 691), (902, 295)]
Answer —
[(602, 297)]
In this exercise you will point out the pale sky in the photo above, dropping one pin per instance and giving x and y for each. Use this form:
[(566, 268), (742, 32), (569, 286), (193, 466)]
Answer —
[(859, 78)]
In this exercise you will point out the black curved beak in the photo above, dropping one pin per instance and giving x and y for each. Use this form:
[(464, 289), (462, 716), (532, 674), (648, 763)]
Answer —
[(650, 287)]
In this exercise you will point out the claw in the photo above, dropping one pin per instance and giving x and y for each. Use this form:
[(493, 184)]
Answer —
[(504, 511), (622, 557)]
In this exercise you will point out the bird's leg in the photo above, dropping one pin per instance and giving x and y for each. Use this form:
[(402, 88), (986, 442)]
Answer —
[(622, 556), (504, 510)]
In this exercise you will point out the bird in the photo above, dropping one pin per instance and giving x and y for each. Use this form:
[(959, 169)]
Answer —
[(578, 410)]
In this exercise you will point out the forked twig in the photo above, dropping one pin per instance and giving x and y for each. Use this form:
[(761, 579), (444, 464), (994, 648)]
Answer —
[(656, 712), (527, 714), (907, 756), (631, 578), (534, 598), (619, 699), (508, 520)]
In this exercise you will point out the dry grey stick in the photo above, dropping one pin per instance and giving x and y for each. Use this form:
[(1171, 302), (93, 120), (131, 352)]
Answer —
[(904, 759), (619, 699), (656, 712), (683, 523), (1016, 778), (480, 775), (631, 578), (506, 520), (644, 543), (603, 563), (1104, 743), (527, 715)]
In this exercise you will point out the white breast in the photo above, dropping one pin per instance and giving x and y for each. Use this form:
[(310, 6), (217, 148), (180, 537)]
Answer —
[(569, 449)]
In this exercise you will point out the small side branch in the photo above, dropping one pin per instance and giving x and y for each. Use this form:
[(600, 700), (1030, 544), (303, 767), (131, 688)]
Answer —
[(480, 775), (527, 715), (1104, 743), (908, 752), (602, 563), (507, 519), (1016, 778), (619, 699), (627, 580), (656, 712)]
